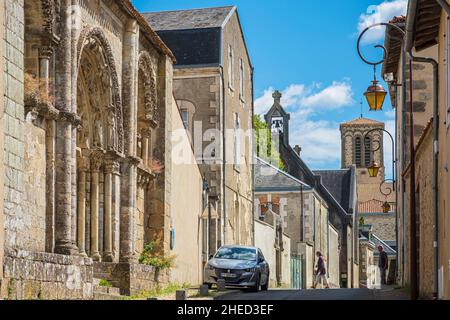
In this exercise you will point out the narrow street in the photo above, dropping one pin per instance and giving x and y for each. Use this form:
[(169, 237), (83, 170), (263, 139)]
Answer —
[(332, 294)]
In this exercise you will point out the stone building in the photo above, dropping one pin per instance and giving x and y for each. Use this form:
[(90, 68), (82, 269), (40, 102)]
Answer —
[(338, 205), (363, 145), (88, 174), (302, 215), (213, 86), (430, 39)]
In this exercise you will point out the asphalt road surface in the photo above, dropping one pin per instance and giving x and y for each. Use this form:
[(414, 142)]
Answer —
[(332, 294)]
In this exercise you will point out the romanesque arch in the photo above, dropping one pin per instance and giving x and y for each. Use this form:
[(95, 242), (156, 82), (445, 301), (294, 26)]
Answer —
[(94, 47), (148, 123), (99, 147)]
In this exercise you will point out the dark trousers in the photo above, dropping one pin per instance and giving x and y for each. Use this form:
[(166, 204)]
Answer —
[(383, 275)]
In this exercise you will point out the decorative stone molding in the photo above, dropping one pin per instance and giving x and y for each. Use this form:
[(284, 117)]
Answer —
[(147, 67), (46, 52), (98, 35), (70, 117)]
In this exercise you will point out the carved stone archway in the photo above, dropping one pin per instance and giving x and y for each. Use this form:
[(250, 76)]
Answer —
[(99, 148), (97, 35), (147, 72)]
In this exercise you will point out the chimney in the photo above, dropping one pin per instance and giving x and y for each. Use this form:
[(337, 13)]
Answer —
[(298, 150)]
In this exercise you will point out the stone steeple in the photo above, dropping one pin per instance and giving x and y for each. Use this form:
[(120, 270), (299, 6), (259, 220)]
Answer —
[(362, 145), (278, 119)]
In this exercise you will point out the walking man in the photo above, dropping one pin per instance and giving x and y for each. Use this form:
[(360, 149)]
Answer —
[(383, 264), (321, 272)]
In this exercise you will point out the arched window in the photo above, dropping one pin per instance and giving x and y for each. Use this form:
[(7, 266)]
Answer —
[(367, 151), (358, 157)]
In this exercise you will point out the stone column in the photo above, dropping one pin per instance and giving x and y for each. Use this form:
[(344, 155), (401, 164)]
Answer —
[(110, 171), (63, 198), (145, 149), (116, 211), (95, 193), (45, 55), (75, 30), (81, 206), (45, 58), (129, 165)]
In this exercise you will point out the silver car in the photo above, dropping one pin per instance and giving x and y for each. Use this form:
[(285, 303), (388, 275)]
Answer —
[(240, 267)]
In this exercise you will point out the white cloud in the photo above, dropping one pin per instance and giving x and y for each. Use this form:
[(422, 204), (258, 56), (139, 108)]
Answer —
[(380, 13), (310, 98), (337, 95), (320, 140)]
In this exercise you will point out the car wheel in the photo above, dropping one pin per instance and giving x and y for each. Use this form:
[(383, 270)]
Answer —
[(258, 284), (266, 286)]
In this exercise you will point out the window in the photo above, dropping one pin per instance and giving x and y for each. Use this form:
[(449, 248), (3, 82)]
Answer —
[(185, 118), (447, 73), (230, 67), (367, 151), (358, 159), (241, 79), (237, 142)]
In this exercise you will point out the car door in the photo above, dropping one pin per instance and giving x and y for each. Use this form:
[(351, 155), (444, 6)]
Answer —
[(264, 267)]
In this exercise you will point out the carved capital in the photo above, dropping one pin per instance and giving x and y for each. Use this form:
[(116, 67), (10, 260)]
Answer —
[(144, 178), (70, 117), (46, 52)]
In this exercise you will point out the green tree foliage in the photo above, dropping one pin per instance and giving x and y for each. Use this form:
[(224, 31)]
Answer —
[(265, 149)]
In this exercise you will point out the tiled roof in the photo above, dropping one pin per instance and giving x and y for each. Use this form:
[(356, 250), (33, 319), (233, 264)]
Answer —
[(373, 206), (188, 19), (361, 122)]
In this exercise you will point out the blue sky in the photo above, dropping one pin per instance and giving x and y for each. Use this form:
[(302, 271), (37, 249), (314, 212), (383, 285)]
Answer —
[(307, 50)]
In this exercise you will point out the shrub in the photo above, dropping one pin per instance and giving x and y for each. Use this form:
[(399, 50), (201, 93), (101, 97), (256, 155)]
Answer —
[(105, 283), (153, 255)]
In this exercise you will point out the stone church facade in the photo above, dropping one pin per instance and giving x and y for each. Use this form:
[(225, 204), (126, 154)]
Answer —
[(88, 99)]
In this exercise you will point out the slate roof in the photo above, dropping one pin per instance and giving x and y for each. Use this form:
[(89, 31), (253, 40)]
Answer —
[(269, 178), (338, 182), (194, 36), (378, 242), (189, 19)]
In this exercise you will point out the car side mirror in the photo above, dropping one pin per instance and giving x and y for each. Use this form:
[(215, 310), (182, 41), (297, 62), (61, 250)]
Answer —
[(210, 257)]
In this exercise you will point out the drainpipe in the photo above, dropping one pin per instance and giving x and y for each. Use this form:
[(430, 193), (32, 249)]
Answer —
[(253, 157), (410, 32), (224, 155)]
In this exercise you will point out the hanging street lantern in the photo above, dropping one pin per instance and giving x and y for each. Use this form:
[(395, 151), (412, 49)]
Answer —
[(375, 96), (386, 207), (374, 169)]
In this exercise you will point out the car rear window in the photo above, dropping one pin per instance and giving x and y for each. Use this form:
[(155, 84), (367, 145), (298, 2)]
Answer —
[(245, 254)]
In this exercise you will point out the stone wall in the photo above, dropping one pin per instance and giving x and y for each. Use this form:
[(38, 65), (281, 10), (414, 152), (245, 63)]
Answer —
[(2, 138), (13, 122), (33, 276), (132, 279), (424, 207), (383, 224)]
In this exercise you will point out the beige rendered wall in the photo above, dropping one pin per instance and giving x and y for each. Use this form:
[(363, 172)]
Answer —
[(286, 263), (2, 108), (186, 208), (265, 240), (333, 257)]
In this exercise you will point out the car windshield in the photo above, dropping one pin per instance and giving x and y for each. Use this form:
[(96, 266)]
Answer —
[(245, 254)]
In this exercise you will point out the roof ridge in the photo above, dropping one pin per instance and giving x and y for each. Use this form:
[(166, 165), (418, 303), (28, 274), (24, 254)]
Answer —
[(194, 9)]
